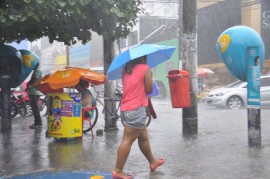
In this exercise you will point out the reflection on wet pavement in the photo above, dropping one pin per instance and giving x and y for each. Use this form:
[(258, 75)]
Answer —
[(220, 150)]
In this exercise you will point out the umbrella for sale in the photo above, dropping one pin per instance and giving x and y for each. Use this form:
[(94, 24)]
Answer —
[(68, 77), (156, 54), (204, 72)]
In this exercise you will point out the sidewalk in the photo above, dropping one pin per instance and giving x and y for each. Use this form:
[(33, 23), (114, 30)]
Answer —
[(220, 150)]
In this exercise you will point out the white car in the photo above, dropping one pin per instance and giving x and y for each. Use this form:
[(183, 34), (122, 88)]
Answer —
[(234, 96)]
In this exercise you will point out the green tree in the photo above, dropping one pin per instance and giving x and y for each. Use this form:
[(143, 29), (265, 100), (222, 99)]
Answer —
[(68, 21), (63, 20)]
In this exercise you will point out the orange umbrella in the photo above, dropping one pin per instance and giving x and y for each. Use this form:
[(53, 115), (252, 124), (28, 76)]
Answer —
[(204, 72), (68, 77)]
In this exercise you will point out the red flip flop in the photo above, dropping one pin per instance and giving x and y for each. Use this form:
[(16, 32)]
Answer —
[(116, 175), (153, 167)]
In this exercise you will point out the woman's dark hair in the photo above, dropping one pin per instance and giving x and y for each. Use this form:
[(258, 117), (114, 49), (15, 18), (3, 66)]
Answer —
[(83, 84), (129, 66)]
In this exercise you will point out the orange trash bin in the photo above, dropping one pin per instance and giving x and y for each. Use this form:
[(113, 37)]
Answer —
[(179, 88)]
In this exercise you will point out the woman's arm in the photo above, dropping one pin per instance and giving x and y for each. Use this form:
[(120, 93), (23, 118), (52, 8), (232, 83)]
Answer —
[(148, 82)]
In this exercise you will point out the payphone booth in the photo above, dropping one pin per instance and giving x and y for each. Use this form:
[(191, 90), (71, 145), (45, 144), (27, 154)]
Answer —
[(242, 50), (15, 67), (10, 70)]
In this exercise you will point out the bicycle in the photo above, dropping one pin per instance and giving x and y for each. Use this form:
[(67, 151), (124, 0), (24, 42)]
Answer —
[(22, 105), (114, 115)]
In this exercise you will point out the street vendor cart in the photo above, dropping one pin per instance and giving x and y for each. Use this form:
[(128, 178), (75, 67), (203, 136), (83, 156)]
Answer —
[(65, 118)]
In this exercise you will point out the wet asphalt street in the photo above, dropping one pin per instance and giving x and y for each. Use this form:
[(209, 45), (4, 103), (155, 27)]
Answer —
[(220, 150)]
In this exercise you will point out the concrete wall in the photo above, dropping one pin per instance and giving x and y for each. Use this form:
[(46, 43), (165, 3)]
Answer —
[(212, 21)]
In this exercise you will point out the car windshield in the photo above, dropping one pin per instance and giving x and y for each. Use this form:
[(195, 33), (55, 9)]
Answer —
[(235, 84)]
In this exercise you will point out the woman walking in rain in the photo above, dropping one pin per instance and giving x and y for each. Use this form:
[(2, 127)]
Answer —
[(137, 84)]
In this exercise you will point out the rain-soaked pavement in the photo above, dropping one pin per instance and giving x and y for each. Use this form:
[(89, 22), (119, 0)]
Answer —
[(220, 150)]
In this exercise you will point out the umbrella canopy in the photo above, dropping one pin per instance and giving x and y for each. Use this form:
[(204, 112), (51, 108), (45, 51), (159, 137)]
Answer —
[(204, 72), (68, 77), (156, 54), (29, 62)]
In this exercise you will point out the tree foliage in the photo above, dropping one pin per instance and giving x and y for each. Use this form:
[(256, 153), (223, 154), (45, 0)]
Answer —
[(66, 20)]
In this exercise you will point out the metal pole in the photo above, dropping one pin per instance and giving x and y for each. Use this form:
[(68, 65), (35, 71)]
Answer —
[(254, 127), (180, 31), (5, 108), (67, 50)]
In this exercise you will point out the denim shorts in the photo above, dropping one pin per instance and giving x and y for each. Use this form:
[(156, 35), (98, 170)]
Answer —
[(135, 118)]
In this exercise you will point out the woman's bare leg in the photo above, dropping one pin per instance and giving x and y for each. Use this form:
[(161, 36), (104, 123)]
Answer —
[(144, 144), (130, 135)]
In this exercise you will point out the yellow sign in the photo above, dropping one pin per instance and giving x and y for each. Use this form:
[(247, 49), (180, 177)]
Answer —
[(224, 42), (65, 115), (27, 60), (61, 59), (97, 177), (60, 62)]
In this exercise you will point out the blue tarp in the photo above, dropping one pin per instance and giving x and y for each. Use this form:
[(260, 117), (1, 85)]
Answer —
[(60, 175)]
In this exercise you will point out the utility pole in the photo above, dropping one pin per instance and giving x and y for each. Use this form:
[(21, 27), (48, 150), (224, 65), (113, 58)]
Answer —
[(189, 51), (180, 33), (67, 51), (110, 86)]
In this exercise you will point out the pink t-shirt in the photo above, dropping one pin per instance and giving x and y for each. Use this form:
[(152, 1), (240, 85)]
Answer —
[(134, 94)]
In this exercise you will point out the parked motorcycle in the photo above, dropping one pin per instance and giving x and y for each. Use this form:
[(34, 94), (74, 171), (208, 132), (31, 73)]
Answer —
[(22, 103)]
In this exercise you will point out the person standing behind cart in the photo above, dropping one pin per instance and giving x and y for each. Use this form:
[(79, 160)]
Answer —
[(87, 97), (34, 96)]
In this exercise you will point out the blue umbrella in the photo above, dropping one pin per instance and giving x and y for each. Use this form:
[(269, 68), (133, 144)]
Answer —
[(29, 62), (156, 54)]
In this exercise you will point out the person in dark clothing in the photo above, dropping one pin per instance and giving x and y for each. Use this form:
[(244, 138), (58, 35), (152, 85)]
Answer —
[(34, 96)]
